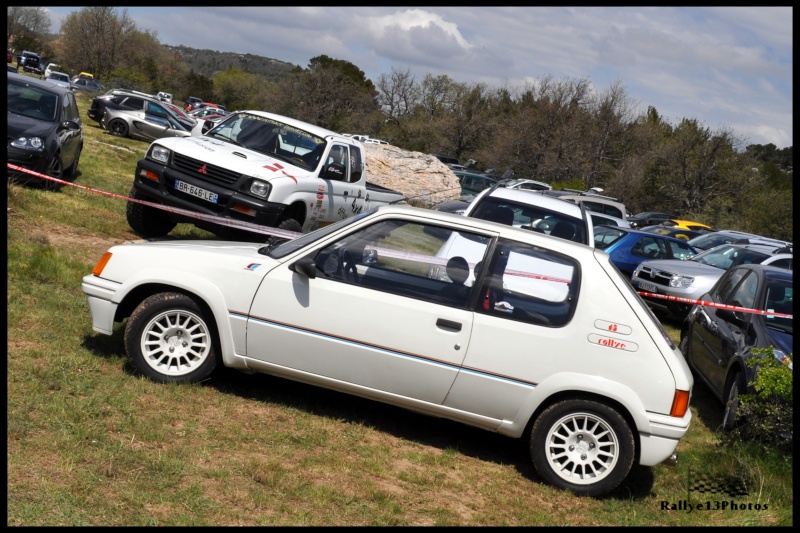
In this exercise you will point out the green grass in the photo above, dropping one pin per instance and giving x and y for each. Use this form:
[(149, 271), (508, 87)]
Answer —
[(91, 444)]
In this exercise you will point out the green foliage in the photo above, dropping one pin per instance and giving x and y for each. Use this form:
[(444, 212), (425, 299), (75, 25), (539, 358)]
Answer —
[(767, 415)]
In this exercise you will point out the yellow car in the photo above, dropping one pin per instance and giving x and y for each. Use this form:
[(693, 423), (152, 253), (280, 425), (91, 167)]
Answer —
[(686, 224)]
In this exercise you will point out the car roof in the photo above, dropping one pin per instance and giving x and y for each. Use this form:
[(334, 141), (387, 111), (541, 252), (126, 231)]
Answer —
[(311, 128), (536, 198), (766, 248), (38, 83)]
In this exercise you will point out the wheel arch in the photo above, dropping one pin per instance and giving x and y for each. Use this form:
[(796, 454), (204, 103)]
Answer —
[(205, 295), (295, 210), (578, 386)]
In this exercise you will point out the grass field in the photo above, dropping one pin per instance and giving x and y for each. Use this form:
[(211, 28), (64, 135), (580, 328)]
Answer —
[(89, 444)]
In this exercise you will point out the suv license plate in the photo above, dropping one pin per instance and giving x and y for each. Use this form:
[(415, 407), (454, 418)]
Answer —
[(196, 191), (648, 287)]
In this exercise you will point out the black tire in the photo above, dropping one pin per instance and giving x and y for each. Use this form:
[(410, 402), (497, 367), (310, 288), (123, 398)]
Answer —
[(288, 224), (684, 345), (118, 127), (72, 171), (169, 340), (146, 221), (582, 446), (56, 170), (733, 388)]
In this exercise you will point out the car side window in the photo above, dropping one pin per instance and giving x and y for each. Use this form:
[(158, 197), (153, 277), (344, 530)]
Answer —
[(530, 284), (69, 109), (341, 155), (133, 102), (783, 263), (744, 295), (680, 250), (649, 248), (399, 257)]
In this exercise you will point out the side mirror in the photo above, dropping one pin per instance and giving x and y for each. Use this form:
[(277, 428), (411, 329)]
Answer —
[(305, 266), (334, 171), (207, 125), (731, 316)]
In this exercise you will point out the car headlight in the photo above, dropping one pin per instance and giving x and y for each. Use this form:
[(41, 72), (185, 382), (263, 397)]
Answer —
[(29, 143), (259, 188), (782, 358), (680, 282), (160, 154)]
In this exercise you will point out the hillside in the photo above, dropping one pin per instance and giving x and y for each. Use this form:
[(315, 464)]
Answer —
[(207, 62)]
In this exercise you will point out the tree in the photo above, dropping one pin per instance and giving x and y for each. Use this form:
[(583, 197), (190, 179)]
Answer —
[(397, 94), (27, 27), (99, 39)]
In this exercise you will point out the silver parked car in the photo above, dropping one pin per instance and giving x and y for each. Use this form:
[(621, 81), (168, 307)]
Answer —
[(143, 125), (691, 278)]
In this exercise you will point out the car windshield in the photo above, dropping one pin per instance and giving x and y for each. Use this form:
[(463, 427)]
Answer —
[(605, 236), (779, 299), (725, 257), (272, 137), (32, 102), (287, 247), (59, 77)]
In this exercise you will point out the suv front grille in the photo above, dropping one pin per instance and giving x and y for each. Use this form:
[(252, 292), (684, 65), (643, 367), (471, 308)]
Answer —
[(210, 173), (659, 277)]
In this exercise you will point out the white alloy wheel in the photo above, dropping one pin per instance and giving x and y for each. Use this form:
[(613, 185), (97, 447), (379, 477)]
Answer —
[(582, 447), (175, 343)]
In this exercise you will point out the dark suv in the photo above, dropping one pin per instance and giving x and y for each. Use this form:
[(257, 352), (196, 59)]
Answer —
[(30, 62)]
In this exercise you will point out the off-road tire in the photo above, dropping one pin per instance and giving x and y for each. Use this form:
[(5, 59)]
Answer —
[(146, 221)]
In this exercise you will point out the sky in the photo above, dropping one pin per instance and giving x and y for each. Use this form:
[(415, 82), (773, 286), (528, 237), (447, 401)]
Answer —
[(729, 68)]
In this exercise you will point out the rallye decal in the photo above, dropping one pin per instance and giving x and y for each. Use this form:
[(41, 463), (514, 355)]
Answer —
[(620, 329), (610, 342)]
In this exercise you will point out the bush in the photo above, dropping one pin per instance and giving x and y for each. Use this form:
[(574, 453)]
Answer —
[(766, 415)]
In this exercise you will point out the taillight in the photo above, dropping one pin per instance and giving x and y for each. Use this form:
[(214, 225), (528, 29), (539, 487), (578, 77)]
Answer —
[(680, 403), (98, 268)]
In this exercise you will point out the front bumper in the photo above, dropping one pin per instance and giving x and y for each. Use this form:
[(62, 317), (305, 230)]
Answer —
[(100, 295), (164, 192)]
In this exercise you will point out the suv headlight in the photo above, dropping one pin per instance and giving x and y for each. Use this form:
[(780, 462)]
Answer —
[(29, 143), (160, 154), (677, 281), (259, 188)]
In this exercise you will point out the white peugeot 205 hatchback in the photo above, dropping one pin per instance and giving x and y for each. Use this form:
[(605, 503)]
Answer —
[(535, 337)]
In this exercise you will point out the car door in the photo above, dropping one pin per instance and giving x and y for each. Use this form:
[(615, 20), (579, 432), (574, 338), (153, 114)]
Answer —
[(720, 340), (527, 295), (389, 330), (70, 138), (344, 196)]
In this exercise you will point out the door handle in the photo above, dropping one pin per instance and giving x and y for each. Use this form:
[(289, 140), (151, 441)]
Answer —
[(448, 324)]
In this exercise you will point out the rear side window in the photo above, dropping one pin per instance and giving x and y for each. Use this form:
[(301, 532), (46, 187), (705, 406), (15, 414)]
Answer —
[(530, 217), (527, 283)]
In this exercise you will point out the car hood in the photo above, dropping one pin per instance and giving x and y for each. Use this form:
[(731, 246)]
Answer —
[(19, 125), (233, 157), (686, 268), (781, 340)]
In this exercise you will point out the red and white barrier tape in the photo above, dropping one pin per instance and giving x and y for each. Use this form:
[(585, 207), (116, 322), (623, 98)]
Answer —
[(249, 226), (712, 304), (239, 224)]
